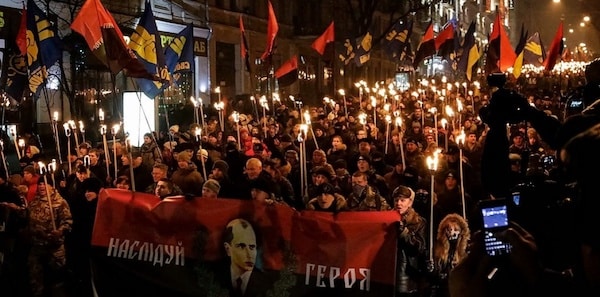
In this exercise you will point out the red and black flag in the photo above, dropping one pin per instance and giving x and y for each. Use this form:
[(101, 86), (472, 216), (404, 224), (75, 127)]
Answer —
[(272, 29), (22, 33), (244, 46), (426, 47), (500, 54), (556, 48), (105, 39), (445, 43), (321, 42), (287, 74)]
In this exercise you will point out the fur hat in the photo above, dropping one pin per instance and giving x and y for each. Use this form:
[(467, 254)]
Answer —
[(212, 185), (326, 171), (326, 188), (403, 192), (261, 184), (29, 169), (184, 157), (174, 129)]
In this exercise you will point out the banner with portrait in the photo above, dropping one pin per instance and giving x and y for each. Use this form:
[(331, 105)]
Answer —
[(147, 247)]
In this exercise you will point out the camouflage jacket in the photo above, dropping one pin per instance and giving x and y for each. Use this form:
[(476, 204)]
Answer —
[(369, 200), (40, 222)]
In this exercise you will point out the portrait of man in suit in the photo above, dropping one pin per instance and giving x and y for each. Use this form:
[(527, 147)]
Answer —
[(240, 243)]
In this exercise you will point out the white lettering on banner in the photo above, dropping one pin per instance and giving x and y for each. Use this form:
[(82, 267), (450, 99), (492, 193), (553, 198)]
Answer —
[(325, 279), (147, 251)]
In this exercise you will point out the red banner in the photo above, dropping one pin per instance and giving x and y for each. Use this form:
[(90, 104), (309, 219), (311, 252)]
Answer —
[(147, 247)]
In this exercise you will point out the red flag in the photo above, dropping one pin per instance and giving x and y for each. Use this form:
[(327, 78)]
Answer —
[(287, 74), (426, 47), (105, 39), (447, 33), (500, 55), (244, 45), (22, 33), (272, 29), (555, 48), (325, 38)]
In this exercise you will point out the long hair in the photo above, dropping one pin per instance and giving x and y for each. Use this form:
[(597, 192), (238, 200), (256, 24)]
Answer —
[(442, 243)]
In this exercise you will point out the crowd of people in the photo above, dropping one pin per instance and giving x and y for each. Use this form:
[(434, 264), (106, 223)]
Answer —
[(350, 164)]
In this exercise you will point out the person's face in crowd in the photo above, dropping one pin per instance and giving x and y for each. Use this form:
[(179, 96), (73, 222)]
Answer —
[(147, 140), (290, 158), (28, 177), (208, 193), (242, 248), (83, 151), (336, 143), (157, 174), (472, 138), (403, 204), (450, 182), (182, 164), (411, 147), (272, 131), (399, 168), (253, 170), (270, 170), (81, 176), (296, 130), (123, 185), (325, 200), (430, 139), (467, 124), (318, 158), (162, 189), (518, 140), (452, 158), (41, 189), (364, 148), (217, 173), (212, 139), (93, 158), (125, 160), (318, 133), (255, 131), (395, 139), (418, 112), (361, 134), (359, 181), (320, 179), (363, 166), (259, 195)]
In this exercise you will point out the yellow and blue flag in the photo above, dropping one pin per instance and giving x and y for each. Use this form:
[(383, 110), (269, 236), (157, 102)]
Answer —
[(43, 46), (396, 39), (363, 49), (180, 53), (145, 43)]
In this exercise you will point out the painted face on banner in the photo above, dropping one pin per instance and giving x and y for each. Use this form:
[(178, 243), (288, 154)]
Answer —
[(242, 249)]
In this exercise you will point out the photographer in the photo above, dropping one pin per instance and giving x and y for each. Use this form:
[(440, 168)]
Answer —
[(523, 271)]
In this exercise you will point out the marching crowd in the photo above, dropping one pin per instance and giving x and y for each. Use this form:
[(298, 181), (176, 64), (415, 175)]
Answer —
[(349, 165)]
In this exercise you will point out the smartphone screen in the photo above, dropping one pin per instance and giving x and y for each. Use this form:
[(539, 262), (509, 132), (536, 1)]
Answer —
[(495, 219)]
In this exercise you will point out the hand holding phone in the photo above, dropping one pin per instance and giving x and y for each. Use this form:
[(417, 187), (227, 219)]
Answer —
[(494, 215)]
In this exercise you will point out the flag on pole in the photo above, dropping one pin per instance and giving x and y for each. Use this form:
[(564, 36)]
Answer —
[(244, 46), (519, 51), (43, 46), (556, 48), (500, 54), (145, 43), (105, 39), (22, 33), (534, 52), (272, 29), (363, 49), (346, 51), (179, 55), (396, 39), (287, 74), (470, 53), (427, 46), (321, 42)]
